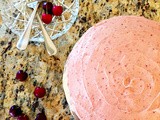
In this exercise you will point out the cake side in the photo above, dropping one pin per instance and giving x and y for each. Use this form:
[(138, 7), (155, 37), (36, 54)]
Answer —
[(67, 94)]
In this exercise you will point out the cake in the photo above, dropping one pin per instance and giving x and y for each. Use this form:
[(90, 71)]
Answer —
[(113, 71)]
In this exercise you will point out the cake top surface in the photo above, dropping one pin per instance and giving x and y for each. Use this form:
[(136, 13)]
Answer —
[(113, 71)]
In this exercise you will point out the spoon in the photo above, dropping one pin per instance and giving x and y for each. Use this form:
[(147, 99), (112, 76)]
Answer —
[(50, 47), (24, 38)]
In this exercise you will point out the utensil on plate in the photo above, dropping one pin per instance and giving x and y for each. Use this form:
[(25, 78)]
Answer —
[(24, 38), (50, 47)]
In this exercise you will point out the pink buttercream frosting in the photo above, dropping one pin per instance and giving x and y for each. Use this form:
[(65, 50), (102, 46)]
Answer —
[(113, 71)]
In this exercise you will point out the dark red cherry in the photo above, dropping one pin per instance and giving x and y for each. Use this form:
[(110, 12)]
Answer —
[(57, 10), (21, 75), (15, 111), (46, 18), (41, 116), (47, 6), (39, 92)]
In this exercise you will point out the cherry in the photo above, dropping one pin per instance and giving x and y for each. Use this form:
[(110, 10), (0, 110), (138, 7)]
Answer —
[(46, 18), (39, 92), (15, 111), (41, 116), (57, 10), (47, 6), (21, 75), (22, 117)]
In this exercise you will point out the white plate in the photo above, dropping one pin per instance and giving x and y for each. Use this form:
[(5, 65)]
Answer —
[(15, 15)]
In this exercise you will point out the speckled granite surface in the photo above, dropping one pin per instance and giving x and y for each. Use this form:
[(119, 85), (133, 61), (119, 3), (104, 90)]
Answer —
[(48, 71)]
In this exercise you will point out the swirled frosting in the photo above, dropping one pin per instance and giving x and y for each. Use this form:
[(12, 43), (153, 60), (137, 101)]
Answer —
[(113, 71)]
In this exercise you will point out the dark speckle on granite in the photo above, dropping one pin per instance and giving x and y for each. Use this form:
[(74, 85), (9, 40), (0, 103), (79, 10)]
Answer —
[(60, 118), (48, 91), (35, 104), (82, 31), (83, 19), (64, 103), (7, 48), (2, 43), (7, 118), (9, 31), (21, 88)]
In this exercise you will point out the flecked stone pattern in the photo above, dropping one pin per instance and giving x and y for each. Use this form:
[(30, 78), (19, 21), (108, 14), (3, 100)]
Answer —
[(47, 71)]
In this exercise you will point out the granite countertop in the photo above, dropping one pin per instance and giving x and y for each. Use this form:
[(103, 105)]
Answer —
[(47, 71)]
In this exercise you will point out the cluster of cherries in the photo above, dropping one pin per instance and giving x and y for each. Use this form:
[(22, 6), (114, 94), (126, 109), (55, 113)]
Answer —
[(15, 111), (49, 11), (39, 92)]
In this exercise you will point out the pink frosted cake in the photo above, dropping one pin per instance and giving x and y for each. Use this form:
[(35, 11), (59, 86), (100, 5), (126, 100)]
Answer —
[(113, 71)]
